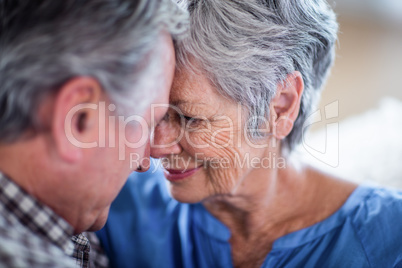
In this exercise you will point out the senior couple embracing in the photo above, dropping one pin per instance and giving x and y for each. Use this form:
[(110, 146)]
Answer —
[(218, 92)]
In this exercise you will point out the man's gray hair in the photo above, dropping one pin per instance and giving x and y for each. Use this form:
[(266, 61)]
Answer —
[(44, 43), (247, 47)]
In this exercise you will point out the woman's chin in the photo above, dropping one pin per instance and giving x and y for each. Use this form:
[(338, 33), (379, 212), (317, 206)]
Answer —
[(184, 196)]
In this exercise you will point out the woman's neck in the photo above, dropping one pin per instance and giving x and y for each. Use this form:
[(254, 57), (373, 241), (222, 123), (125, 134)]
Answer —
[(273, 203), (264, 198)]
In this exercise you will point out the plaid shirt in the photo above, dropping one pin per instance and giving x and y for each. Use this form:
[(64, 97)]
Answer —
[(32, 235)]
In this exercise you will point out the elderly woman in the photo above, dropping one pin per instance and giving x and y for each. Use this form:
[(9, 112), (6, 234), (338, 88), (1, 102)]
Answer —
[(248, 76)]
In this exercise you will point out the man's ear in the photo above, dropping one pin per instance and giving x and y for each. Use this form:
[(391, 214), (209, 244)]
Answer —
[(75, 121), (285, 105)]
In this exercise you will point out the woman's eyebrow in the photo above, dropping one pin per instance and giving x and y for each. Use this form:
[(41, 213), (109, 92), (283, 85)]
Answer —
[(185, 102)]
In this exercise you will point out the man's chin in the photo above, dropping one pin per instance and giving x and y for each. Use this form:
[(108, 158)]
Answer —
[(100, 221)]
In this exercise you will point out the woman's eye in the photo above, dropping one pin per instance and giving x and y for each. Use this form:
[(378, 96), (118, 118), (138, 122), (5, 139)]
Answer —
[(188, 118), (191, 121)]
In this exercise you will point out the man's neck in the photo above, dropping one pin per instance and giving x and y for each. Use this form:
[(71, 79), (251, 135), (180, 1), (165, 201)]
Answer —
[(17, 161)]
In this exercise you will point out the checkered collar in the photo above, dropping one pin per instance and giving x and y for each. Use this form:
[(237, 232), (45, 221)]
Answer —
[(17, 205)]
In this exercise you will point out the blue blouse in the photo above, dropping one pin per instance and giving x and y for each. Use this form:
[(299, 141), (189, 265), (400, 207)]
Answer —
[(147, 228)]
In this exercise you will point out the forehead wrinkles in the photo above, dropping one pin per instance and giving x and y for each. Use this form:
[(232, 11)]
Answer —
[(190, 89)]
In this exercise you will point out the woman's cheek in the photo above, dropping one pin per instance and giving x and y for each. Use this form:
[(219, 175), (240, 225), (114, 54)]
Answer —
[(221, 180), (197, 141), (219, 157), (210, 136), (223, 170)]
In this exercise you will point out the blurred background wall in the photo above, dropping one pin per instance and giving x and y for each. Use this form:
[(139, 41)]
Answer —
[(368, 65), (360, 137)]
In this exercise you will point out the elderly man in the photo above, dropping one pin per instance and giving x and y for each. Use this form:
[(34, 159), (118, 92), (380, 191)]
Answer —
[(76, 82)]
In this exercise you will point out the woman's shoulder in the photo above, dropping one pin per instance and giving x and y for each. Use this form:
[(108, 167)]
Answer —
[(365, 231), (377, 221), (373, 205)]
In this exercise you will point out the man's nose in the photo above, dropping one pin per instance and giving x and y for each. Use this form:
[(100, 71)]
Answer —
[(166, 140)]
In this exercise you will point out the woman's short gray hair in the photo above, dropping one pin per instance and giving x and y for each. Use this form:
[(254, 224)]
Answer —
[(247, 47), (44, 43)]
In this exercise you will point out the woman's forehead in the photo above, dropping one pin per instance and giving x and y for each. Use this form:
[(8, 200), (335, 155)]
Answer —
[(189, 87)]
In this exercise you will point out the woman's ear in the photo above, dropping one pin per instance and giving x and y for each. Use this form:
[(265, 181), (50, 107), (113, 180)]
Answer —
[(285, 105), (75, 121)]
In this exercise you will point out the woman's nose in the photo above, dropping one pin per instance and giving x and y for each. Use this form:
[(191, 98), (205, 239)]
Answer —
[(146, 160), (166, 140)]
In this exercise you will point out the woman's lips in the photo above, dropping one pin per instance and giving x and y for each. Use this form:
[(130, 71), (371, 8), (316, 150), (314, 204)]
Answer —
[(176, 174)]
